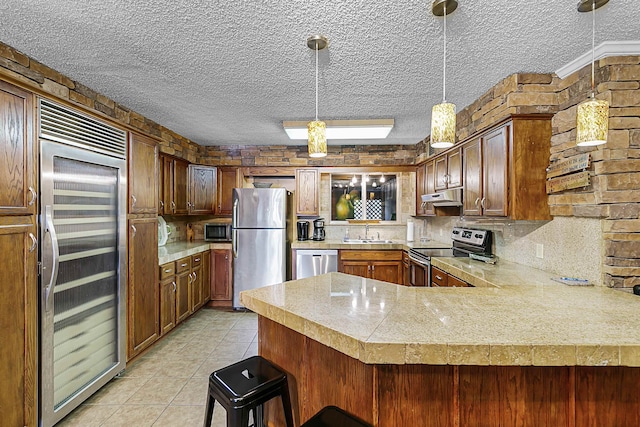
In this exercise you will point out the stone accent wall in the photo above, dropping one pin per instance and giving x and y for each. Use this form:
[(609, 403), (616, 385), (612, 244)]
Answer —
[(614, 193), (284, 155)]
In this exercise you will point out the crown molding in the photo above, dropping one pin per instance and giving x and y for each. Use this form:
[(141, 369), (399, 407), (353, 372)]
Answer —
[(604, 50)]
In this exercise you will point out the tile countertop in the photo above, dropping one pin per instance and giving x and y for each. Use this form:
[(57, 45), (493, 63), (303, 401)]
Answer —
[(396, 244), (175, 251), (523, 319)]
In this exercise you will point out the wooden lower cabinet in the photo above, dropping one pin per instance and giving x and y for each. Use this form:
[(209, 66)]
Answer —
[(221, 278), (183, 292), (168, 289), (380, 265), (143, 293), (196, 282), (18, 321), (441, 278), (206, 277)]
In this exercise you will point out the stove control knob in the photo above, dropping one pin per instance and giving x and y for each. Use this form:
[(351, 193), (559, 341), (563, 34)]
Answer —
[(478, 236)]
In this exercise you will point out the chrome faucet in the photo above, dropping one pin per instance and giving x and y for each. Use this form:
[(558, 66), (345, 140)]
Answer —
[(366, 231)]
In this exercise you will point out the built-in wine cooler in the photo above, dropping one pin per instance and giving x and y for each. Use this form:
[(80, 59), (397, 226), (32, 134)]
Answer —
[(82, 261)]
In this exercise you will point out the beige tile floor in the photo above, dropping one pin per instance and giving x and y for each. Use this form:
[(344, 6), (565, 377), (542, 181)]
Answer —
[(168, 385)]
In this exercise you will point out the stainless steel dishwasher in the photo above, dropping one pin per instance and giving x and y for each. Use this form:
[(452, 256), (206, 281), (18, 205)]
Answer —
[(315, 262)]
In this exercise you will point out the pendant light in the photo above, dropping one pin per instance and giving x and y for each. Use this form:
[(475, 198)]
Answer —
[(317, 136), (443, 115), (592, 124)]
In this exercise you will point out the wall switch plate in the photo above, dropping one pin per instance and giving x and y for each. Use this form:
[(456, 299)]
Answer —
[(441, 231), (539, 250)]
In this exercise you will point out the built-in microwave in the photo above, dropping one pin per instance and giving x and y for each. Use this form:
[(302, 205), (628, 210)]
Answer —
[(217, 232)]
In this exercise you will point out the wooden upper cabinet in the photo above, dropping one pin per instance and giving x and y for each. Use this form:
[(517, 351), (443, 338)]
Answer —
[(18, 321), (420, 190), (180, 187), (17, 153), (425, 184), (494, 201), (429, 185), (165, 190), (448, 170), (202, 189), (307, 188), (143, 175), (505, 170), (227, 181), (472, 161), (143, 292)]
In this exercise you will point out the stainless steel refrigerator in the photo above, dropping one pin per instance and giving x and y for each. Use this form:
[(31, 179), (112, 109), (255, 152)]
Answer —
[(260, 238), (82, 257)]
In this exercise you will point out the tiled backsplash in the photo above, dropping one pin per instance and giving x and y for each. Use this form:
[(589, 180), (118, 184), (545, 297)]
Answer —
[(571, 246)]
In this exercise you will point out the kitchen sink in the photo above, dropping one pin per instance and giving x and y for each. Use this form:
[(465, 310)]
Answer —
[(373, 241)]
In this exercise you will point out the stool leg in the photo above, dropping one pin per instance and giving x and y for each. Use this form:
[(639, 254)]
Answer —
[(286, 404), (208, 414), (237, 418), (258, 418)]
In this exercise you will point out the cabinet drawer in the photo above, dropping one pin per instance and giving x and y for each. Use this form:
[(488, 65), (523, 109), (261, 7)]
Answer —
[(167, 270), (369, 255), (454, 282), (196, 260), (438, 277), (183, 264)]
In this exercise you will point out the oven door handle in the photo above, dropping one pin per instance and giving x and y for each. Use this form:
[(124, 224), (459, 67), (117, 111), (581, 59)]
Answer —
[(419, 261)]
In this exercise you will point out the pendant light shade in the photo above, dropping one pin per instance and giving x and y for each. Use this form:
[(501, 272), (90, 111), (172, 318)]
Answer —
[(317, 138), (317, 130), (443, 125), (443, 115), (592, 121)]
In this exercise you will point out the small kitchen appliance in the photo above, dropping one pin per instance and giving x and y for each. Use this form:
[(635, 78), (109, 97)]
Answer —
[(303, 230), (318, 229)]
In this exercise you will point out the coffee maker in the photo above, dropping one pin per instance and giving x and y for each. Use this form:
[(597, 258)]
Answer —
[(303, 230), (318, 229)]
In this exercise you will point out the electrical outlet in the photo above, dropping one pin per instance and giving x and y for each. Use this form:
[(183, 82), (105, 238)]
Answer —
[(539, 250)]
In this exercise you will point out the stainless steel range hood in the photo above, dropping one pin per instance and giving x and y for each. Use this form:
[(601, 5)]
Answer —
[(444, 198)]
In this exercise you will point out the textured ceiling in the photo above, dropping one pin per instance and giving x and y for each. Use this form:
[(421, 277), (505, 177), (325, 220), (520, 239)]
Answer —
[(229, 72)]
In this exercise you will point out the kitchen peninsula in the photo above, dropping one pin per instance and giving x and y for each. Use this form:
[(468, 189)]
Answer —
[(518, 349)]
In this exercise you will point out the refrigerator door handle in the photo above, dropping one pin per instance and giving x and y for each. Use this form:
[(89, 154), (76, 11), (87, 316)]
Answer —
[(55, 254), (234, 240), (234, 216)]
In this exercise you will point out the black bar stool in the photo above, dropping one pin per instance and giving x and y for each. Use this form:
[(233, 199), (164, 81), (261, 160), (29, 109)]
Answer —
[(332, 416), (243, 388)]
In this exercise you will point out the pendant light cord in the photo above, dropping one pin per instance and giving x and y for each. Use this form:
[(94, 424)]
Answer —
[(444, 57), (316, 81), (593, 49)]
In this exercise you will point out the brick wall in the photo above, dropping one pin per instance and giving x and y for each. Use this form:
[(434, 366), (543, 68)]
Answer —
[(614, 192)]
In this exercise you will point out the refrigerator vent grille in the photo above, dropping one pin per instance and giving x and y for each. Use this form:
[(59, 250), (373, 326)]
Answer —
[(67, 126)]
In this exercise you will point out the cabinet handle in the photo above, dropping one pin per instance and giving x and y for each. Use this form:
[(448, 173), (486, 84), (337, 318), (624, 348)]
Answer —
[(174, 286), (135, 230), (161, 205), (173, 206), (133, 201), (183, 265), (197, 260), (219, 207), (446, 178), (33, 196), (438, 277), (168, 270), (476, 202), (34, 242), (195, 276), (226, 256), (482, 202)]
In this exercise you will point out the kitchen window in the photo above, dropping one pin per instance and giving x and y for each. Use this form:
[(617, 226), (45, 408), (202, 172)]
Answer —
[(364, 196)]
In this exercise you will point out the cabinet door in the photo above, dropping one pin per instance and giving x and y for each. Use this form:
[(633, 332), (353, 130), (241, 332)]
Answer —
[(167, 304), (196, 289), (388, 271), (18, 322), (144, 299), (429, 185), (206, 277), (166, 207), (17, 155), (440, 165), (356, 268), (454, 282), (472, 194), (307, 182), (494, 201), (420, 189), (183, 296), (202, 190), (143, 175), (454, 168), (180, 189), (438, 277), (227, 181), (221, 278)]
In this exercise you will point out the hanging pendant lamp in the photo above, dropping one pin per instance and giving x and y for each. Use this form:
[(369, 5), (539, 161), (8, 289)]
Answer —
[(443, 115), (317, 137), (592, 123)]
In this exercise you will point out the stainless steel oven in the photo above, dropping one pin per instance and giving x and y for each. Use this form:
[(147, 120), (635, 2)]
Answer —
[(420, 264)]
